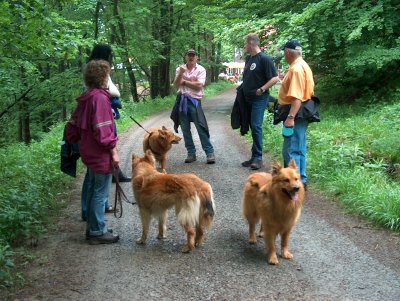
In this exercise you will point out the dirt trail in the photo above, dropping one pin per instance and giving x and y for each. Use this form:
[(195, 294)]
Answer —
[(336, 256)]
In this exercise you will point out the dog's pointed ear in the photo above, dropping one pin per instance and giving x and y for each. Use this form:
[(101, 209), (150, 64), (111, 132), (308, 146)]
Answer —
[(138, 182), (164, 128), (264, 189), (292, 164), (161, 133), (276, 167), (134, 156), (148, 154)]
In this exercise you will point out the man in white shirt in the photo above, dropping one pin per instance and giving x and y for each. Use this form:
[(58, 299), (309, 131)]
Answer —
[(190, 79)]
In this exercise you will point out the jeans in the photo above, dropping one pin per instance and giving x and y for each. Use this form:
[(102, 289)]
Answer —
[(85, 188), (257, 107), (187, 134), (295, 147), (97, 195)]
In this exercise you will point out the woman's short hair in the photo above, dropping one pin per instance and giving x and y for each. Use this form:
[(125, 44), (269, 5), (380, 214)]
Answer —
[(253, 38), (97, 73)]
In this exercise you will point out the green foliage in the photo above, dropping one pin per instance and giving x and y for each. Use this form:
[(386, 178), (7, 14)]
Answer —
[(353, 155)]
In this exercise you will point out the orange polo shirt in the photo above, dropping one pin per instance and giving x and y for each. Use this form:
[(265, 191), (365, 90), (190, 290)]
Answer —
[(298, 83)]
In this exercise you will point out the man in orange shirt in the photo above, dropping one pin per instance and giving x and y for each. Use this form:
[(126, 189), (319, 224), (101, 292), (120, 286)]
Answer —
[(297, 87)]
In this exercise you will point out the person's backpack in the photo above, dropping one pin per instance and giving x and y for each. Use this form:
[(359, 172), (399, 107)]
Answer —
[(69, 156)]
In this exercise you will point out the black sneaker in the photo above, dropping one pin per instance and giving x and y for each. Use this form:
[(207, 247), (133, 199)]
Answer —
[(210, 159), (122, 178), (256, 164), (247, 163), (190, 159), (106, 238), (88, 236)]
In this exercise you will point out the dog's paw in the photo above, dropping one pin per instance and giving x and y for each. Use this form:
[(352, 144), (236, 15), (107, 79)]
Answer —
[(287, 255), (161, 236), (199, 241), (141, 241), (261, 234), (252, 239), (273, 259), (186, 249)]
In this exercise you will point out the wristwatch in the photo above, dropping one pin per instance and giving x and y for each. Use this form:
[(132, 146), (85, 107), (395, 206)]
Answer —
[(290, 116)]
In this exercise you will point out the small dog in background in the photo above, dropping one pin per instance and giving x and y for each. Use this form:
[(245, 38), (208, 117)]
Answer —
[(160, 141), (275, 198), (157, 192)]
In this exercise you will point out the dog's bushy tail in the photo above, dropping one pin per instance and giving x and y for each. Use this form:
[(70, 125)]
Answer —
[(187, 212), (207, 210)]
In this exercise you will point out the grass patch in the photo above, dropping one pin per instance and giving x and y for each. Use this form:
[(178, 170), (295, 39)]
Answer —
[(34, 189), (354, 156)]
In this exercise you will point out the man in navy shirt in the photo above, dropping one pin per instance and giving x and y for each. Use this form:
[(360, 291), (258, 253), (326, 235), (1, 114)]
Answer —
[(258, 76)]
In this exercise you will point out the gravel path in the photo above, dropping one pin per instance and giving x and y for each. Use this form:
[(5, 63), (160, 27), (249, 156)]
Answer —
[(336, 256)]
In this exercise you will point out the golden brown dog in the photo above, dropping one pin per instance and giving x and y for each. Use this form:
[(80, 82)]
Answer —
[(160, 141), (157, 192), (276, 199)]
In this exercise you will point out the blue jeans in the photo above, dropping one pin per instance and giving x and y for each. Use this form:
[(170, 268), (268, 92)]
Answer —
[(257, 107), (187, 134), (295, 147), (85, 187), (97, 195)]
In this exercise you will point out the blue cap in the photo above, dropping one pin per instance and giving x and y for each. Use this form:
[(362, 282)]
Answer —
[(292, 44)]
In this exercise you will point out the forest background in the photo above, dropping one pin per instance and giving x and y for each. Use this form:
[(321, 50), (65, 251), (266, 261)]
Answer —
[(352, 46)]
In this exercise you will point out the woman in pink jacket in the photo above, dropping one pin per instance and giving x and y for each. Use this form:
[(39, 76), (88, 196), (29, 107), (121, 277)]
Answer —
[(92, 125)]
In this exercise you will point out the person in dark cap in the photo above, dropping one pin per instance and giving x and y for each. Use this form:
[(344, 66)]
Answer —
[(189, 80), (258, 76), (297, 87)]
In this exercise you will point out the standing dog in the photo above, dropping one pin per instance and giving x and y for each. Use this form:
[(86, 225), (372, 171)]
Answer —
[(157, 192), (160, 141), (276, 199)]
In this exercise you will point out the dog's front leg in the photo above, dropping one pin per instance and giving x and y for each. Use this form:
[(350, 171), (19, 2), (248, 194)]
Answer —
[(163, 164), (269, 239), (162, 227), (285, 246), (190, 239), (145, 217)]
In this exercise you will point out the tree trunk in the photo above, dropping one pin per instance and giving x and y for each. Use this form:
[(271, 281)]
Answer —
[(122, 41), (160, 83)]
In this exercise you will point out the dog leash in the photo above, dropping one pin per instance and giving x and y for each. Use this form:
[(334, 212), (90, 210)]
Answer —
[(139, 125), (119, 194), (154, 152)]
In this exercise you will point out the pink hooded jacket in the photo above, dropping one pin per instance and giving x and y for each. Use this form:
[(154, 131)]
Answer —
[(92, 125)]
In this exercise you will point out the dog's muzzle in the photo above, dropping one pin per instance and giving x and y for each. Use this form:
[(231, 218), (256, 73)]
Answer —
[(293, 193)]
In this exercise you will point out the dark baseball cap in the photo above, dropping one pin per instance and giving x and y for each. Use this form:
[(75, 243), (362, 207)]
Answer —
[(292, 44), (191, 51)]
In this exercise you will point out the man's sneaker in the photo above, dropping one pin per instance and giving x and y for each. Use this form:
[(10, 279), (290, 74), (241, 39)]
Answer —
[(247, 163), (210, 159), (256, 164), (88, 236), (106, 238), (190, 159)]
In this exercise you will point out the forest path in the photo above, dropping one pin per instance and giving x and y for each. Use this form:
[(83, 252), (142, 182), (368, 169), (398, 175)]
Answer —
[(336, 256)]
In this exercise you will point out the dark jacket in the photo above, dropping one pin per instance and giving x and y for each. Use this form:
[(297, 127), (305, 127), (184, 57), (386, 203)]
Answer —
[(240, 115), (200, 115)]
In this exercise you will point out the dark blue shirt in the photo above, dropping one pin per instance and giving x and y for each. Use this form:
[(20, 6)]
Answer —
[(258, 70)]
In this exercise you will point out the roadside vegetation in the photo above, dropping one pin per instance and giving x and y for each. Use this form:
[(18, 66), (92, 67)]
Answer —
[(34, 190), (354, 156)]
